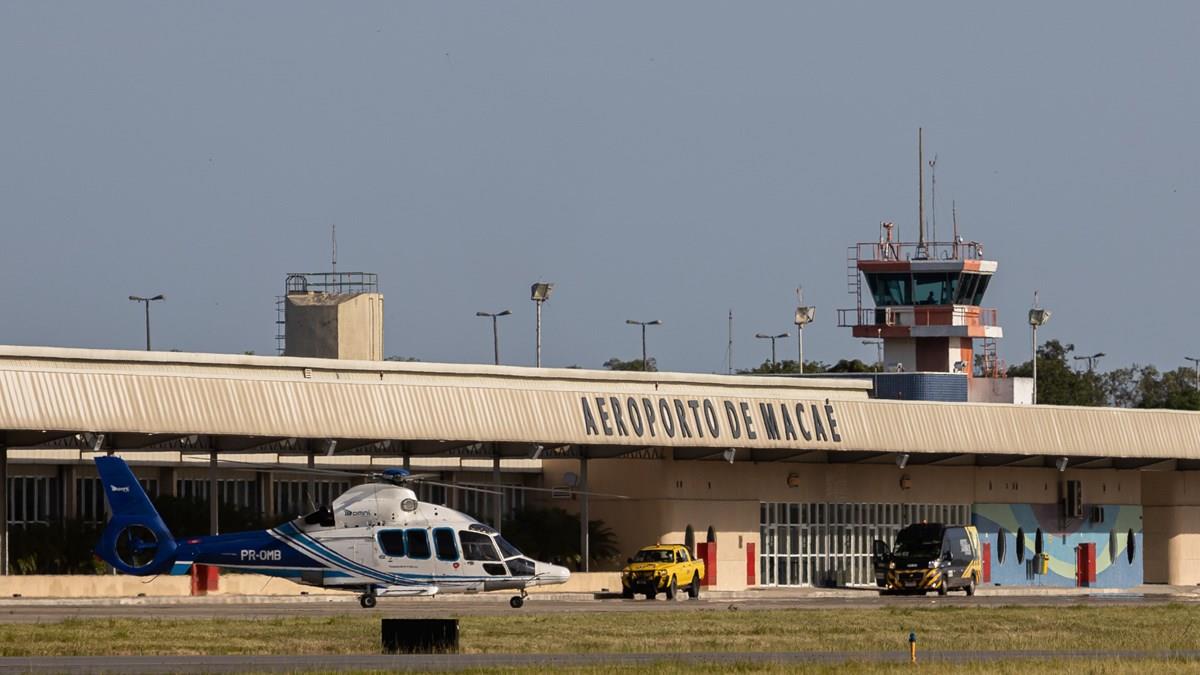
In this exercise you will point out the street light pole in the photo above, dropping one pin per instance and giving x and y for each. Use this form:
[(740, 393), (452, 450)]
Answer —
[(804, 316), (146, 302), (1091, 360), (772, 338), (1195, 361), (643, 324), (539, 293), (1037, 317), (495, 331)]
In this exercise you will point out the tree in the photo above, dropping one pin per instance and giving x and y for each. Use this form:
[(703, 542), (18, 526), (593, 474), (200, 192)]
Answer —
[(1058, 383), (617, 364), (785, 366), (552, 535)]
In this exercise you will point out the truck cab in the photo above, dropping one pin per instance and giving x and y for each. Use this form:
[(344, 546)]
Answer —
[(928, 557)]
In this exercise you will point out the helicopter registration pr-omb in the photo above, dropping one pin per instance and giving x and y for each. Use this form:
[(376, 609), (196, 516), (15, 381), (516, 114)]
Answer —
[(376, 538)]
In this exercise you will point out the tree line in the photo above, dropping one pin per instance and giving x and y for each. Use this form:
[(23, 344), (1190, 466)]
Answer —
[(1134, 386)]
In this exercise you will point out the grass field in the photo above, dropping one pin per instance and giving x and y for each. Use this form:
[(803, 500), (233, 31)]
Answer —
[(1133, 628)]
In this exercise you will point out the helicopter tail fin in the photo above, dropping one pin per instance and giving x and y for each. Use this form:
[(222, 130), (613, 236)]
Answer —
[(136, 540)]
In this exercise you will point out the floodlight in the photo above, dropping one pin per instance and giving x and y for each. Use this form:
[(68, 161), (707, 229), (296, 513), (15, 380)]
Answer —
[(804, 315), (1038, 317), (902, 460), (540, 292), (1061, 463)]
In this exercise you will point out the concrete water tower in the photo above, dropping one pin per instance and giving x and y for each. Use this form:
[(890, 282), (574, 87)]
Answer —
[(336, 315)]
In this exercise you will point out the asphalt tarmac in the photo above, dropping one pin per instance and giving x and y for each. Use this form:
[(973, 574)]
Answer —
[(42, 611)]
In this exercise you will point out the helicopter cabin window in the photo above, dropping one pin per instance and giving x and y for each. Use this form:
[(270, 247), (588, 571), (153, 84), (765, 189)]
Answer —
[(391, 542), (418, 544), (443, 543), (477, 546)]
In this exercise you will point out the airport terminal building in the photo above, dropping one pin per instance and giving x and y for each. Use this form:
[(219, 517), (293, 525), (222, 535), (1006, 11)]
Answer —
[(791, 479)]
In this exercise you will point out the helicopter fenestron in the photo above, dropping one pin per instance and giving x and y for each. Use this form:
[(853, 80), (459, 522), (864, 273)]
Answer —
[(376, 538)]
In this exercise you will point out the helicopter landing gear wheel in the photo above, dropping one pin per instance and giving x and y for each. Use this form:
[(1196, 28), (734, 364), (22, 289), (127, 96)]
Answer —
[(367, 600), (518, 601)]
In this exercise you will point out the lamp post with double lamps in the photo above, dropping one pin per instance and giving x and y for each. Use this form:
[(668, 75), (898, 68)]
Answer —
[(643, 324), (495, 331), (146, 302), (772, 338)]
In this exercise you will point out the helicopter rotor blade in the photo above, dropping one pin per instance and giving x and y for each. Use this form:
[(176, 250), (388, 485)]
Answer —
[(345, 473), (462, 486), (560, 490)]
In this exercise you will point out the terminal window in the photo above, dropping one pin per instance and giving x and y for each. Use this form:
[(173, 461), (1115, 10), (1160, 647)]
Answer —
[(823, 544)]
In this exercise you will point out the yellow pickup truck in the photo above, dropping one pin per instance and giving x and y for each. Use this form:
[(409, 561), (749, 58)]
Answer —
[(666, 568)]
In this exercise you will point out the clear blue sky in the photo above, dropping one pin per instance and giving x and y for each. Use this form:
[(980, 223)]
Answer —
[(666, 160)]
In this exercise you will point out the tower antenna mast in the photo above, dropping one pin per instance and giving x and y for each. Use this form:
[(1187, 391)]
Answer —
[(920, 192), (933, 199), (333, 236), (729, 347)]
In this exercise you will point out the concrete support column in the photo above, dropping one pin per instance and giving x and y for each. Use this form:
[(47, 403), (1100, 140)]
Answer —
[(311, 485), (3, 508), (167, 477), (498, 499), (584, 516), (69, 499), (266, 493), (214, 496)]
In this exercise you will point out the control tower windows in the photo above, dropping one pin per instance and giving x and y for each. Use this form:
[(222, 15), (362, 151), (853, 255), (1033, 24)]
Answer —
[(890, 289), (934, 288), (971, 289)]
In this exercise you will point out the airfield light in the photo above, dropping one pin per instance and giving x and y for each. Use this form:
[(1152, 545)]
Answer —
[(495, 331), (147, 301), (643, 324)]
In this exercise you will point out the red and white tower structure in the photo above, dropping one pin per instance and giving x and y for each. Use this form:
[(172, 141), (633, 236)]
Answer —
[(927, 303)]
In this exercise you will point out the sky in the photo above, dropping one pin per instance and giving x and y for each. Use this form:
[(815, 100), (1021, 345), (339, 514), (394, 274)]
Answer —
[(666, 160)]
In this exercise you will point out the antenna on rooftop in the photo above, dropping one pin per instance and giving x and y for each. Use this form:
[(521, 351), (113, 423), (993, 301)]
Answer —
[(334, 237), (729, 347), (933, 198), (920, 192)]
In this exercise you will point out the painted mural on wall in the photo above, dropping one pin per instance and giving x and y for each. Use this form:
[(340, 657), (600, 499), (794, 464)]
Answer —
[(1013, 535)]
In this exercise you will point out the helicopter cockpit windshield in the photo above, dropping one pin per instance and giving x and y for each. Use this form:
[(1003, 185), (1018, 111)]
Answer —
[(480, 543)]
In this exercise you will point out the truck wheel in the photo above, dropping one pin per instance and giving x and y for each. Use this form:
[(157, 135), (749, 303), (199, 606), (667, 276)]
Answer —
[(941, 589), (627, 593), (970, 589), (650, 595), (693, 590), (672, 590)]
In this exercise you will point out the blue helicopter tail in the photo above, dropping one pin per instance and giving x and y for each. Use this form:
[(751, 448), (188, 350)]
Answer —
[(136, 540)]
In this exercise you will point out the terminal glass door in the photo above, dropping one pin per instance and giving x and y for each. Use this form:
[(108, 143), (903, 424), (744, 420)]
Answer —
[(820, 544)]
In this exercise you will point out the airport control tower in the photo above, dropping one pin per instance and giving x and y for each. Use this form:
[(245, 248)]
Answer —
[(927, 298)]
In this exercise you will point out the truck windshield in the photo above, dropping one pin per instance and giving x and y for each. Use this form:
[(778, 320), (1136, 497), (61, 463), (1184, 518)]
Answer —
[(654, 556), (919, 541)]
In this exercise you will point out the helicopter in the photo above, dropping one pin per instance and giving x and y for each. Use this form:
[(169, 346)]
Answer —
[(376, 538)]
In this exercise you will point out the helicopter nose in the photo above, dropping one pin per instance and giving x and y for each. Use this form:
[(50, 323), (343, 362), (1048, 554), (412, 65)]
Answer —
[(548, 574)]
